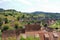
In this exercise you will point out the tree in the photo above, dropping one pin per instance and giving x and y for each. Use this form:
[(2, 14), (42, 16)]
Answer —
[(6, 20), (5, 28), (28, 22), (1, 23), (0, 33), (18, 18), (45, 25), (16, 26), (23, 16), (5, 14)]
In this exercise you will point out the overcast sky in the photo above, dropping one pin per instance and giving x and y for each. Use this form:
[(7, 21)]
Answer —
[(31, 5)]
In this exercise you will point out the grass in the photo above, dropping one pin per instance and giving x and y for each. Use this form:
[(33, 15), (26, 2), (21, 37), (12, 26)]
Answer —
[(11, 38), (30, 38), (0, 38), (0, 35), (55, 25)]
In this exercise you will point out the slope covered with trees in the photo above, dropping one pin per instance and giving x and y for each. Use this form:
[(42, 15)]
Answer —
[(10, 17)]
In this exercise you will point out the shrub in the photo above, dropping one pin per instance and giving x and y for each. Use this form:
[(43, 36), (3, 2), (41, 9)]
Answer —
[(16, 26), (6, 20), (1, 22), (23, 16), (5, 28), (22, 38), (45, 25), (0, 33), (18, 18), (6, 15), (28, 22)]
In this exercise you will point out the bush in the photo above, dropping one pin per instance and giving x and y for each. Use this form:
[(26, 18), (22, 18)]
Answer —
[(1, 22), (21, 27), (5, 28), (16, 26), (22, 38), (45, 25), (6, 15), (6, 20), (28, 22), (0, 33), (23, 16), (18, 18)]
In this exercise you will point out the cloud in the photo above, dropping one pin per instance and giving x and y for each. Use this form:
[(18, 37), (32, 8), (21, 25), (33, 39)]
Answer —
[(44, 1), (25, 2), (42, 5), (32, 5), (4, 1)]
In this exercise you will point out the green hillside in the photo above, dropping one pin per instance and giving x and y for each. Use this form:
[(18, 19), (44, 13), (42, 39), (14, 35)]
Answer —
[(10, 17)]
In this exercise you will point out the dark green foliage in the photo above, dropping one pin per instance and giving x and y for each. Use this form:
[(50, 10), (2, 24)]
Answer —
[(0, 33), (22, 38), (32, 21), (10, 14), (5, 28), (1, 22), (23, 16), (16, 26), (28, 22), (18, 18), (13, 16), (45, 25), (0, 19), (21, 27), (6, 20), (6, 15), (56, 28)]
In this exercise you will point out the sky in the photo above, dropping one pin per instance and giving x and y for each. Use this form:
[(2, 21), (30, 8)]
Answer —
[(31, 5)]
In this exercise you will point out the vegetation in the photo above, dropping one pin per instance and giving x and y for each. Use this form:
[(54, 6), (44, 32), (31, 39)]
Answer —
[(11, 17), (5, 28), (11, 20), (0, 35), (30, 38)]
